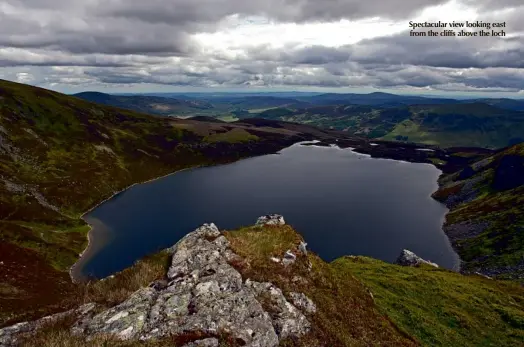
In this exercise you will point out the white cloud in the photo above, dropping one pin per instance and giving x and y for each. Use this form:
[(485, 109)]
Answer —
[(343, 44)]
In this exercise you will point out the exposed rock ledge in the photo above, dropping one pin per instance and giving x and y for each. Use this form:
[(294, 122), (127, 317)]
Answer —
[(408, 258), (203, 296)]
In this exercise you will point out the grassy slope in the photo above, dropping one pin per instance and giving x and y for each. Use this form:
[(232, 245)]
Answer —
[(360, 301), (345, 314), (499, 248), (60, 156), (442, 308), (406, 307), (475, 124), (433, 307)]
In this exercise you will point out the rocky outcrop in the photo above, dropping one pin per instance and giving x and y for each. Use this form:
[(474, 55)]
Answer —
[(204, 297), (408, 258), (271, 219), (303, 302)]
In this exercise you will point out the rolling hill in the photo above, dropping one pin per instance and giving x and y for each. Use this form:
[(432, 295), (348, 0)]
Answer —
[(149, 104), (491, 123), (374, 99), (446, 125)]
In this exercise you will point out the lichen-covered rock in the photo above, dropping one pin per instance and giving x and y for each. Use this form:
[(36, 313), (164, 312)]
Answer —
[(287, 319), (205, 296), (202, 296), (289, 258), (302, 302), (408, 258), (125, 321), (271, 219)]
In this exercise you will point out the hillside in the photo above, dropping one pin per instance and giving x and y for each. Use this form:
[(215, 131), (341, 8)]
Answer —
[(447, 125), (60, 156), (509, 104), (486, 221), (221, 106), (259, 286), (374, 99), (492, 123), (149, 104)]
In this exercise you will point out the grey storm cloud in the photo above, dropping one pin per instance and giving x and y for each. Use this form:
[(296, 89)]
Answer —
[(126, 42), (162, 26), (186, 11)]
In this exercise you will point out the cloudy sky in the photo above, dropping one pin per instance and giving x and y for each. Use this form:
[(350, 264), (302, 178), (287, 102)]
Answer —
[(252, 45)]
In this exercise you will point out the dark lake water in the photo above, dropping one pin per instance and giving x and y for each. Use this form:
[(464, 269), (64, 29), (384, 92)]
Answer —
[(343, 203)]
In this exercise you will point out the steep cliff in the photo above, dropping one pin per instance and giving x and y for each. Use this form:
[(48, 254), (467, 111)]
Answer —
[(486, 221)]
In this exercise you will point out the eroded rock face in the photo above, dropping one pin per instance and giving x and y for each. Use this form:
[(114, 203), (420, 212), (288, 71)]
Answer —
[(408, 258), (271, 219), (204, 296)]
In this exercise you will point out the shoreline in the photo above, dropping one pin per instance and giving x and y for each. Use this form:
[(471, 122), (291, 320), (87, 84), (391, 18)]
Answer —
[(89, 233), (77, 280), (459, 265)]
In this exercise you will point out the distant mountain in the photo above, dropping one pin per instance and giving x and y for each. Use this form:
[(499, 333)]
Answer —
[(246, 107), (492, 123), (374, 99), (464, 124), (148, 104), (220, 95), (220, 105), (509, 104)]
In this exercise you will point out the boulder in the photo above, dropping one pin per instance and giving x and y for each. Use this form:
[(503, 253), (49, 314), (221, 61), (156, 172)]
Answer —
[(204, 296), (271, 219), (408, 258)]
